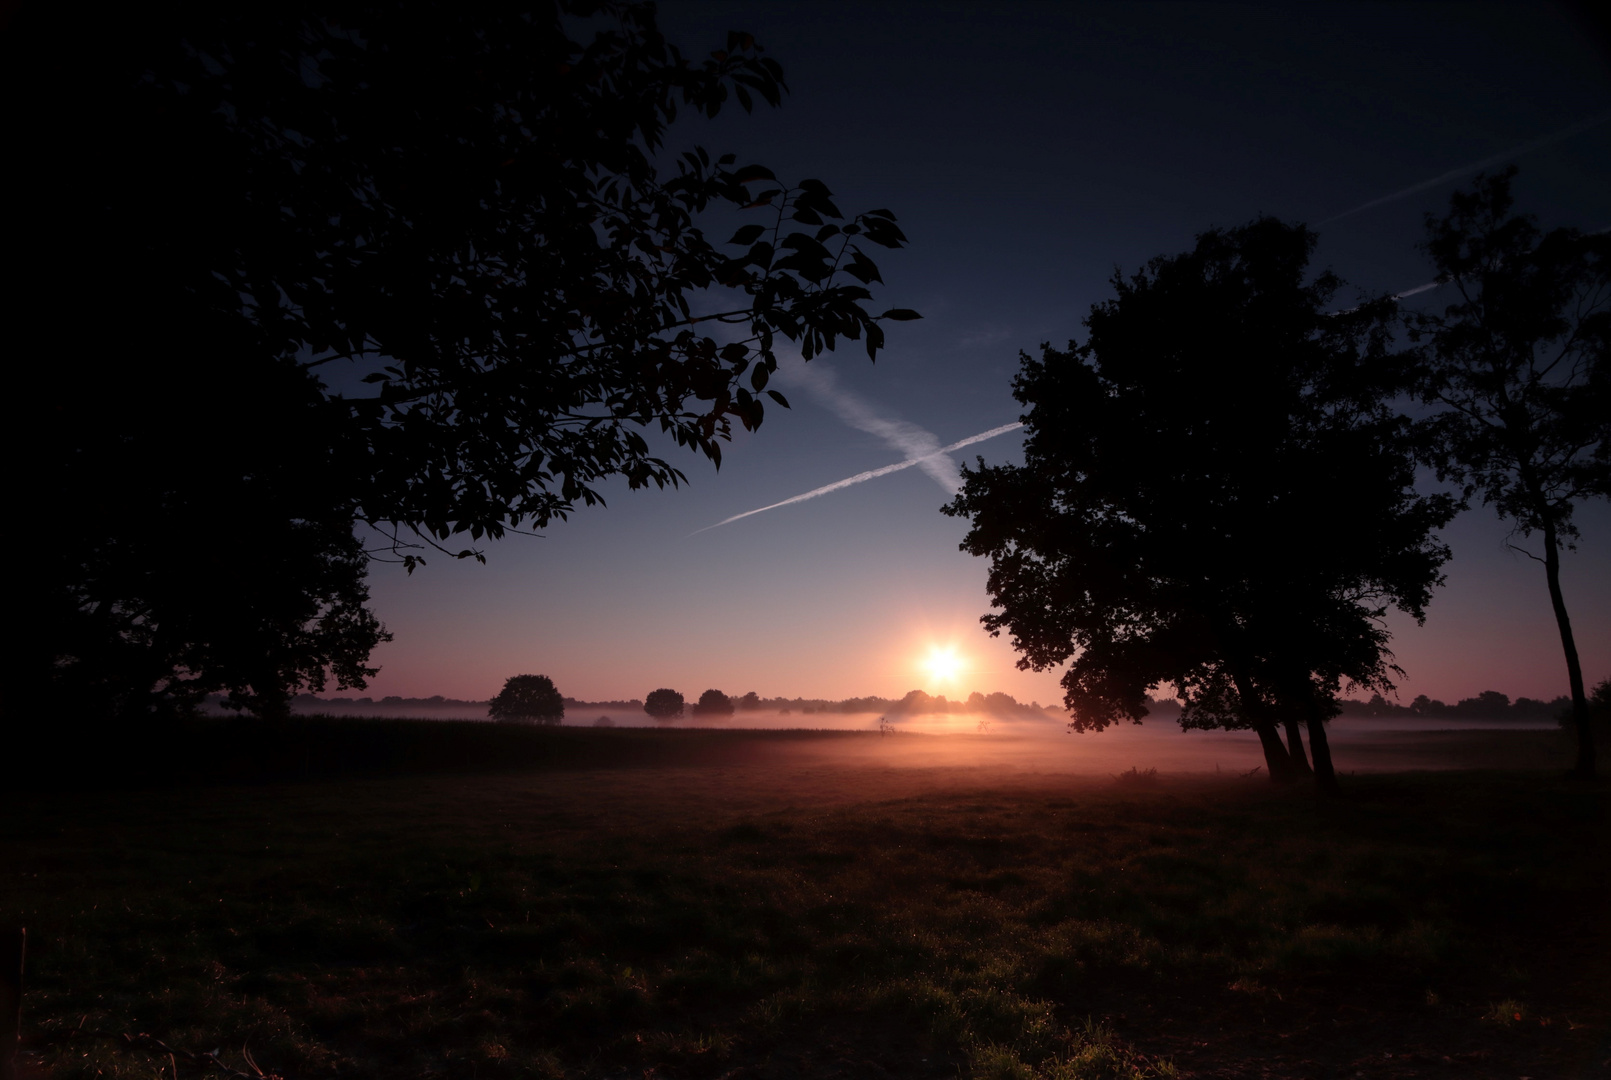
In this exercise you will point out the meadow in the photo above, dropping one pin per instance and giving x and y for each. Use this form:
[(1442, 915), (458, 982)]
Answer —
[(727, 904)]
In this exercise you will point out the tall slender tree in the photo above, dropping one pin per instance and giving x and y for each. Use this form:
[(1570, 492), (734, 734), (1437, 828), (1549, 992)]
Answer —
[(1215, 495), (1518, 369)]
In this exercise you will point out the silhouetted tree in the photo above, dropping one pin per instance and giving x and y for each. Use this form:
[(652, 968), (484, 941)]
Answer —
[(750, 702), (1600, 707), (1519, 366), (919, 701), (1179, 515), (427, 267), (528, 698), (663, 704), (159, 617), (713, 703)]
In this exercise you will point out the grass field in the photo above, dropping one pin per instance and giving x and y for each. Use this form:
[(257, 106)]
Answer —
[(742, 906)]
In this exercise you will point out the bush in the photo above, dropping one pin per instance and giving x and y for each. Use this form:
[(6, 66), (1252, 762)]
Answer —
[(527, 699), (714, 703), (663, 704)]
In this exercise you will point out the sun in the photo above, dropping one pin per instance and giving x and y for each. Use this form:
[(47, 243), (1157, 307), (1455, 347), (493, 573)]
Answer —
[(943, 664)]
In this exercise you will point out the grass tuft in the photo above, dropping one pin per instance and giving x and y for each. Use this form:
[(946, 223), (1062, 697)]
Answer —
[(1135, 777)]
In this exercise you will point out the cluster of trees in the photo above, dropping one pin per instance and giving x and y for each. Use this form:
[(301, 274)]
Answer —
[(996, 704), (427, 270), (1176, 521), (666, 704), (1492, 705)]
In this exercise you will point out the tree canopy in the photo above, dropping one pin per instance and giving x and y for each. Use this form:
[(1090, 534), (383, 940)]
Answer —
[(663, 704), (713, 703), (528, 697), (428, 267), (1178, 518), (1518, 368)]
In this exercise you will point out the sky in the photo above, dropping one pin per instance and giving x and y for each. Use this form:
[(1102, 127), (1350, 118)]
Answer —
[(1029, 151)]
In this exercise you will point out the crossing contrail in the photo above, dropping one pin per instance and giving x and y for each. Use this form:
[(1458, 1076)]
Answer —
[(918, 444), (870, 474), (914, 440), (1487, 162)]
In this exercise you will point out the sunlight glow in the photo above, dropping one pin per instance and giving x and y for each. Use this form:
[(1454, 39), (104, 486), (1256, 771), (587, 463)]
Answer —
[(944, 665)]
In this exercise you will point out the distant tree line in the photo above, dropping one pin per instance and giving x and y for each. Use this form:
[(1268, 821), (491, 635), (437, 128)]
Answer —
[(311, 702), (1492, 705), (1488, 705), (716, 703)]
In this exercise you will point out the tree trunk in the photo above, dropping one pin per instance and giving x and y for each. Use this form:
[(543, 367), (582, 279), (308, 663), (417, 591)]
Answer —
[(1300, 762), (1276, 758), (1325, 775), (1574, 671)]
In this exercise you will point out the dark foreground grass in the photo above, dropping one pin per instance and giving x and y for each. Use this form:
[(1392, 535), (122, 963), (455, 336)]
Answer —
[(794, 916)]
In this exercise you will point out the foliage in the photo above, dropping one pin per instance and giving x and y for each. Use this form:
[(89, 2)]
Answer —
[(528, 697), (713, 703), (1518, 368), (1519, 364), (154, 619), (429, 267), (663, 704), (1175, 520), (750, 702)]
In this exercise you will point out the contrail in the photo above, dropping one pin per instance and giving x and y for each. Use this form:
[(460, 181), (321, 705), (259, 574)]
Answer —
[(1434, 284), (919, 445), (870, 474), (1455, 174)]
